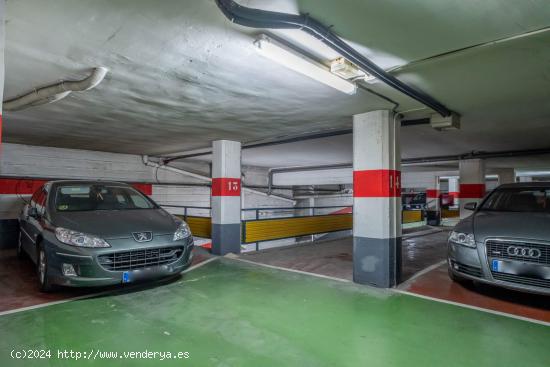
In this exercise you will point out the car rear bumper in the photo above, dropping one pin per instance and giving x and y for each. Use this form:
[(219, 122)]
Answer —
[(472, 263), (90, 273)]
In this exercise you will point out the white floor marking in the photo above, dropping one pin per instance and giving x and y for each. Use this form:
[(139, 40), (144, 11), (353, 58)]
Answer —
[(420, 273), (289, 270), (399, 291), (202, 263), (422, 233), (487, 310), (21, 309)]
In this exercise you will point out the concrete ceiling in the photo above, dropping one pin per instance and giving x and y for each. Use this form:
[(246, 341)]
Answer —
[(182, 75)]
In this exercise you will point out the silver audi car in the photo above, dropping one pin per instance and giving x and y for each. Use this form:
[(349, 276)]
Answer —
[(506, 241), (93, 233)]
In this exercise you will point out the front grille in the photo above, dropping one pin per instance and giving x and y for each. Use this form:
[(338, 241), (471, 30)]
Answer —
[(466, 269), (499, 249), (545, 283), (129, 260)]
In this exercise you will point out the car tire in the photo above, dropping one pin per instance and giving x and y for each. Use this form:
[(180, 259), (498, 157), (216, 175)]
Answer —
[(20, 251), (42, 270)]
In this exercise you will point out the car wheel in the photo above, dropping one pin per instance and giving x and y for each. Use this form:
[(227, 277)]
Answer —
[(42, 269), (20, 251)]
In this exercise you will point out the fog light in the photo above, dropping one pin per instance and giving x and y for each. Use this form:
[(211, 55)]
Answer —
[(68, 270)]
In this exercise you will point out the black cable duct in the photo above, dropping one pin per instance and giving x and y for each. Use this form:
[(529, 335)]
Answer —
[(256, 18), (293, 139)]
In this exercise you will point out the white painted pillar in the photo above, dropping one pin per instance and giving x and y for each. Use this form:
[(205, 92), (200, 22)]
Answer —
[(377, 199), (506, 175), (432, 195), (432, 202), (226, 197), (454, 190), (472, 183)]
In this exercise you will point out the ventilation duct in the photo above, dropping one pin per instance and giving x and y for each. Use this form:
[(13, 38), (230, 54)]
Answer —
[(55, 92)]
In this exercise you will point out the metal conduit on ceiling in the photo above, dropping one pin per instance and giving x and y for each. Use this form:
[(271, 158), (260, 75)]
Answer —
[(256, 18)]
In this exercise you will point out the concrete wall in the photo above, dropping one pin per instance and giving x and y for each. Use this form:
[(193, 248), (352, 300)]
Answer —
[(24, 161)]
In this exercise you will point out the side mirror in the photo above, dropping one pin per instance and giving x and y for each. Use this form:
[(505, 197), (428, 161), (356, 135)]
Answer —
[(470, 206), (32, 212)]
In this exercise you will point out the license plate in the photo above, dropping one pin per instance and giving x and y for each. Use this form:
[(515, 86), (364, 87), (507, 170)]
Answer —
[(496, 265), (536, 271), (126, 277)]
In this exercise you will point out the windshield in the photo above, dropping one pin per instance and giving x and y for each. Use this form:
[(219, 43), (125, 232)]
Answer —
[(521, 199), (87, 197)]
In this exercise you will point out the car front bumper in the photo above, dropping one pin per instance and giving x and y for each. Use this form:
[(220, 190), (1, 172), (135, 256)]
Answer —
[(473, 263), (90, 273)]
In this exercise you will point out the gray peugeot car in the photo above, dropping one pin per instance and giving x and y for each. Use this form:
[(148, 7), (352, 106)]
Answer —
[(506, 241), (95, 233)]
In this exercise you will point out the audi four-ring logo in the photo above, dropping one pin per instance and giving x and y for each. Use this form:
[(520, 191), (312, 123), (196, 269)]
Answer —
[(532, 253)]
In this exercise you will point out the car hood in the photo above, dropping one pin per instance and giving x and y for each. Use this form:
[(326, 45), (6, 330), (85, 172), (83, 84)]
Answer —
[(534, 226), (109, 224)]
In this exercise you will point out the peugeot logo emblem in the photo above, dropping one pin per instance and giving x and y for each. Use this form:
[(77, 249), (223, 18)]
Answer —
[(533, 253), (142, 236)]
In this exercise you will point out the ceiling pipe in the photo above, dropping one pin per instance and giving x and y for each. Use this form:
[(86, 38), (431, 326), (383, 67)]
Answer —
[(295, 139), (178, 171), (413, 161), (55, 92), (256, 18)]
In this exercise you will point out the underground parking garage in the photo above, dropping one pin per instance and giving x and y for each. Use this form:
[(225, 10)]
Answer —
[(283, 183)]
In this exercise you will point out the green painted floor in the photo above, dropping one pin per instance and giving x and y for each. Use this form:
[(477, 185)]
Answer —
[(229, 313)]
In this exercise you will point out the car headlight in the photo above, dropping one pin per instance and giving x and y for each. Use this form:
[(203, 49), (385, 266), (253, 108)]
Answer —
[(182, 232), (465, 239), (79, 239)]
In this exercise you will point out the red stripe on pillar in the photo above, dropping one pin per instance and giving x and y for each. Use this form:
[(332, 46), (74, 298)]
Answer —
[(224, 186), (16, 186), (146, 189), (472, 191), (432, 194), (377, 183)]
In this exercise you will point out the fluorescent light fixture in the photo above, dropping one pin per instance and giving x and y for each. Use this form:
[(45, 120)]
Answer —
[(349, 71), (291, 59)]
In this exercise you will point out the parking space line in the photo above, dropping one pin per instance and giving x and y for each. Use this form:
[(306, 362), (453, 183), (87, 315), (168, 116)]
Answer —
[(234, 257), (420, 273), (399, 291), (33, 307), (487, 310)]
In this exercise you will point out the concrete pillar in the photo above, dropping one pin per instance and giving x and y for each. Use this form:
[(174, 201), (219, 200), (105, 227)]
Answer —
[(432, 202), (472, 183), (506, 175), (432, 195), (377, 199), (454, 190), (226, 197), (2, 40)]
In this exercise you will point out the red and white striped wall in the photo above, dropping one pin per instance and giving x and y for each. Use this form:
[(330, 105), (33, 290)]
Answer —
[(377, 199), (226, 197), (472, 183), (14, 189)]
